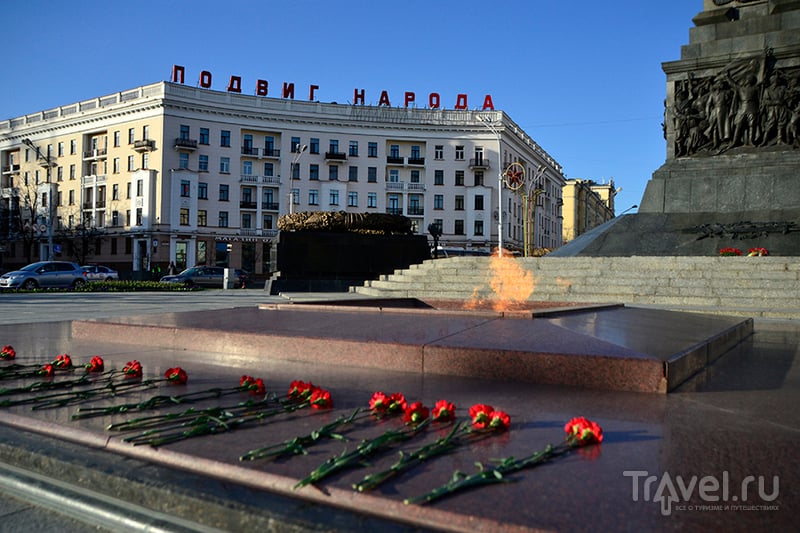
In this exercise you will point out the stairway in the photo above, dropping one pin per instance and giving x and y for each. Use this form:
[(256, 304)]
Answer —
[(766, 287)]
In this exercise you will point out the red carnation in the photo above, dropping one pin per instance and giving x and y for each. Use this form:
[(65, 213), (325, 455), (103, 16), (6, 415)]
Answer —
[(246, 381), (415, 413), (46, 370), (63, 361), (176, 375), (8, 352), (379, 402), (300, 390), (397, 403), (499, 420), (95, 365), (481, 415), (443, 411), (132, 369), (581, 431), (320, 399)]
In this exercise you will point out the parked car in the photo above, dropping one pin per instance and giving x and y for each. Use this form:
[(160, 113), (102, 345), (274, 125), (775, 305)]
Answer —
[(44, 274), (99, 273), (206, 276)]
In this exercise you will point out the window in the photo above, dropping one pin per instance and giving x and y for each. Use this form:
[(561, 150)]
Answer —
[(202, 163), (295, 144), (353, 151), (145, 132), (71, 197), (438, 151), (334, 197), (202, 217), (184, 217), (459, 177), (459, 227), (247, 195), (333, 146), (415, 152), (394, 150), (117, 139), (313, 197), (313, 145), (479, 178), (295, 196), (479, 202), (139, 188), (266, 222), (183, 160), (394, 175), (114, 222), (114, 166), (115, 191), (138, 216), (296, 171), (313, 172), (269, 169), (131, 163), (247, 145), (224, 138), (145, 160), (225, 165), (269, 145), (202, 191), (223, 219), (204, 136), (372, 149), (223, 192), (73, 147), (372, 174), (415, 176), (459, 153), (438, 201), (478, 227), (60, 149), (184, 132), (333, 172), (247, 168), (372, 199), (459, 203), (185, 188), (72, 170), (247, 220), (128, 193), (352, 199), (60, 174), (352, 174), (438, 177), (132, 134)]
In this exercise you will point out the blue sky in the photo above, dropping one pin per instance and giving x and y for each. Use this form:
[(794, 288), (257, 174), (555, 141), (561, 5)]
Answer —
[(582, 77)]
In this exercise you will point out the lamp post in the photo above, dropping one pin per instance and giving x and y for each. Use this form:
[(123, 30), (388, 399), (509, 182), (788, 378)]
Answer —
[(494, 130), (634, 206), (27, 142), (295, 162)]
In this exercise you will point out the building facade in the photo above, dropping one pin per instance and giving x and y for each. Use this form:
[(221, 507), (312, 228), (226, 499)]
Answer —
[(587, 204), (170, 173)]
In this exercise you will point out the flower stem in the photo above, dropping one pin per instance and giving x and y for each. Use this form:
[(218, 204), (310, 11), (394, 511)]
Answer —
[(153, 403)]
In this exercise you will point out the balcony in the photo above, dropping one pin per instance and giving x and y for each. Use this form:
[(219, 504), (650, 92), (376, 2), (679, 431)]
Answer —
[(185, 144), (335, 157), (416, 187), (97, 153), (416, 211), (479, 163), (248, 205), (11, 169), (394, 160), (416, 161), (270, 206), (144, 145), (249, 232), (394, 210), (9, 192), (395, 185), (271, 153), (248, 178), (250, 151), (271, 180)]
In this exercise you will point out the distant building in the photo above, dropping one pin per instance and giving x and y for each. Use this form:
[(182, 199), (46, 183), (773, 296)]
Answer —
[(587, 204), (173, 173)]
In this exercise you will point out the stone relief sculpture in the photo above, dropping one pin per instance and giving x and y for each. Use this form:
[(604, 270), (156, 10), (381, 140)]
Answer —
[(341, 221), (744, 105)]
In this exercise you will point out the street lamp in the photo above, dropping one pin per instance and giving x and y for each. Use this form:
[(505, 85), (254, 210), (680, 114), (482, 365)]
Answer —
[(27, 142), (490, 126), (295, 162), (634, 206)]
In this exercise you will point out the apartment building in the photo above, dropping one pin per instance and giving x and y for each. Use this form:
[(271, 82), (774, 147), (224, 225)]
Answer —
[(587, 204), (171, 173)]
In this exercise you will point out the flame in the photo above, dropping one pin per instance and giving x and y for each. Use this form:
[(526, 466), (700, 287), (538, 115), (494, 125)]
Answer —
[(510, 283)]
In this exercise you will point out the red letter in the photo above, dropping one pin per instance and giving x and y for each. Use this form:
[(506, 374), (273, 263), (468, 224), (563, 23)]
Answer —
[(205, 79), (262, 87), (235, 85), (384, 100), (358, 96), (461, 101), (409, 98), (288, 90), (177, 74), (311, 90), (434, 100), (487, 102)]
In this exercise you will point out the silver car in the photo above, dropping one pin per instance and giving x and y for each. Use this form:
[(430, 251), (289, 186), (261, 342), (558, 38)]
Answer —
[(99, 273), (44, 274)]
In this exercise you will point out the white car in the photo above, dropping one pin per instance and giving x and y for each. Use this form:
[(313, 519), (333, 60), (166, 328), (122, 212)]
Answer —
[(99, 273)]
